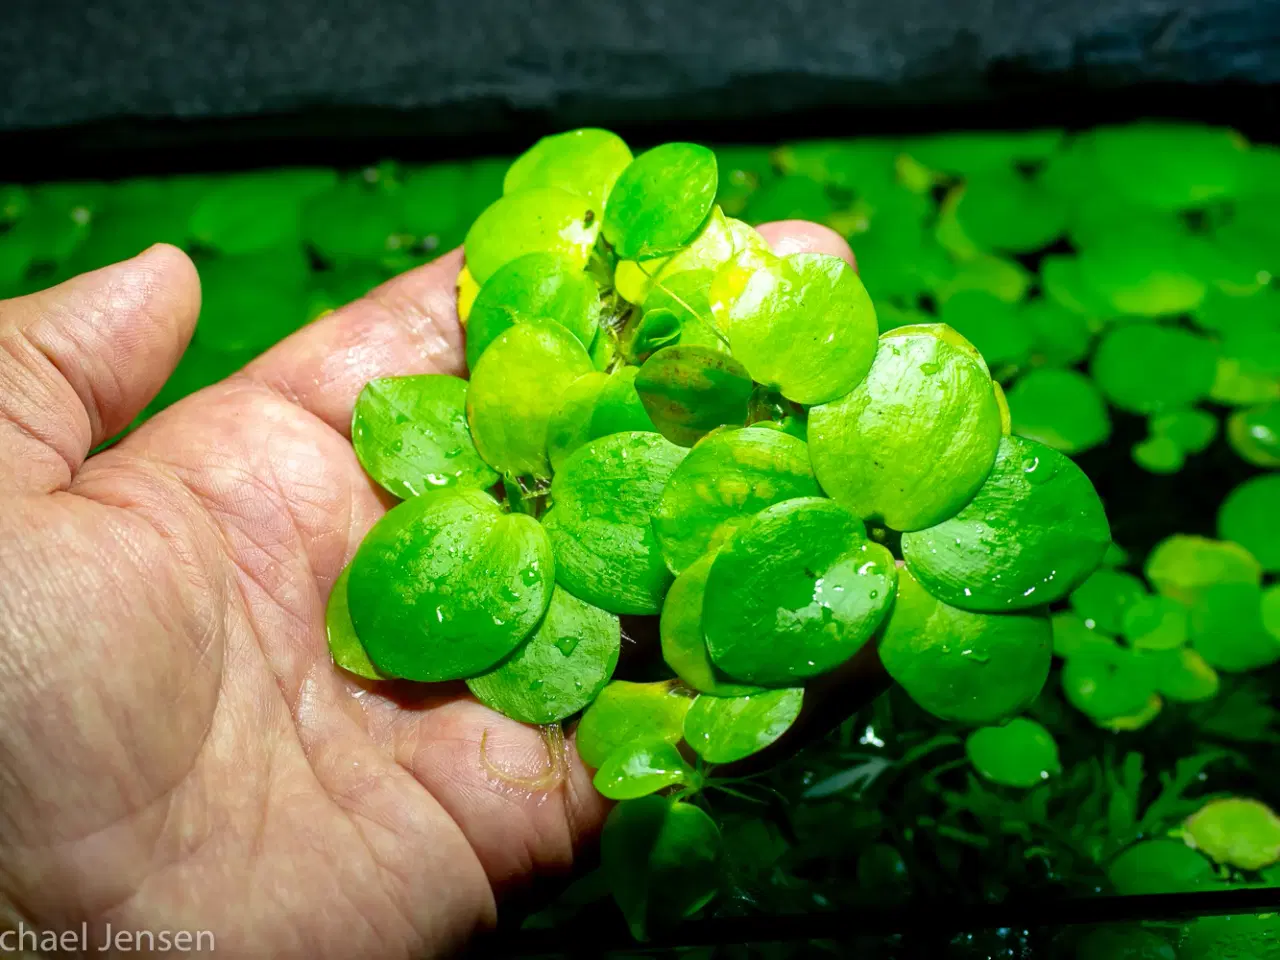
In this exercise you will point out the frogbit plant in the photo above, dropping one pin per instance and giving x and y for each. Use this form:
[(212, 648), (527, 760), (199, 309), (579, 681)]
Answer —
[(666, 419)]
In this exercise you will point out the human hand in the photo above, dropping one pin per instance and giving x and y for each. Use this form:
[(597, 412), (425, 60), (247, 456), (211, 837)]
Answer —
[(177, 750)]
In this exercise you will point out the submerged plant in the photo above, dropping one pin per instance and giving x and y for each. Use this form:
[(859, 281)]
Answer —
[(666, 419)]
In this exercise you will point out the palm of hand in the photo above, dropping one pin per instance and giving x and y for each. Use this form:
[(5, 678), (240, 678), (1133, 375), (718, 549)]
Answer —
[(176, 748)]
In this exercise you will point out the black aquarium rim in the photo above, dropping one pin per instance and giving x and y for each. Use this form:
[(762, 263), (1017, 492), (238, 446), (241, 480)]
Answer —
[(947, 917), (755, 112)]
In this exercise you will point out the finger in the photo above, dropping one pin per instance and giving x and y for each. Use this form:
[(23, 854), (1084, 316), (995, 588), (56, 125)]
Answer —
[(80, 360), (405, 326), (803, 236)]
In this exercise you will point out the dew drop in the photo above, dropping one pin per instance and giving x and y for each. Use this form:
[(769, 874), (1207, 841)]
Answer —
[(929, 369), (535, 685), (566, 645), (529, 575), (437, 479), (397, 446)]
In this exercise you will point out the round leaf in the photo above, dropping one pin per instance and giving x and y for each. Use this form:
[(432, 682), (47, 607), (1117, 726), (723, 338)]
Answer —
[(560, 669), (1183, 566), (995, 327), (1147, 368), (1031, 534), (1019, 754), (446, 585), (1155, 623), (601, 525), (1182, 675), (726, 479), (805, 325), (1105, 599), (725, 729), (543, 219), (640, 768), (1255, 434), (1001, 210), (1250, 516), (794, 593), (660, 201), (1241, 832), (410, 434), (974, 668), (684, 644), (537, 286), (1108, 683), (914, 440), (688, 391), (1227, 628), (348, 651), (586, 162), (595, 406), (1159, 866), (515, 388), (626, 713)]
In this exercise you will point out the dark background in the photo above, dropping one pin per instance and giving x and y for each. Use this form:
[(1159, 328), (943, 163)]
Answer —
[(85, 81)]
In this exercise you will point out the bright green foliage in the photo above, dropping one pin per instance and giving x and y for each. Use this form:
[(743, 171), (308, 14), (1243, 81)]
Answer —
[(627, 712), (660, 200), (538, 220), (559, 669), (1181, 675), (1031, 534), (684, 644), (1237, 831), (1160, 866), (1250, 516), (662, 860), (1227, 628), (585, 162), (642, 767), (1071, 637), (1021, 753), (794, 593), (515, 389), (537, 286), (1060, 337), (350, 222), (256, 211), (689, 390), (1155, 623), (348, 652), (992, 325), (1141, 267), (1060, 408), (1104, 600), (930, 399), (1255, 434), (1107, 683), (446, 585), (1169, 166), (725, 729), (250, 302), (594, 406), (410, 434), (805, 325), (725, 480), (601, 526), (974, 668), (1149, 368), (1000, 210), (1183, 567)]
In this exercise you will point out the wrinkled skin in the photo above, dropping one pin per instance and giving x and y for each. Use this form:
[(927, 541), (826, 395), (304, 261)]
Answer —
[(177, 750)]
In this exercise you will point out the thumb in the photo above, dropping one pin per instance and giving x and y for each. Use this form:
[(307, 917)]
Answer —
[(80, 360)]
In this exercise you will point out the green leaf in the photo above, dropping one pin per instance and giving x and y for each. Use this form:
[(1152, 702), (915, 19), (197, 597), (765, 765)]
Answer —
[(803, 324), (445, 585), (992, 325), (1190, 430), (560, 669), (594, 406), (688, 391), (1108, 683), (663, 861), (348, 651), (794, 593), (1227, 628), (1155, 623), (683, 299), (539, 220), (724, 729), (1105, 599), (1254, 434), (660, 201), (351, 222), (536, 286), (1238, 831), (626, 713), (1159, 866), (515, 389), (640, 768), (974, 668), (1060, 337), (684, 645), (1181, 675), (410, 434), (726, 479), (914, 440), (1250, 516), (1001, 210), (1168, 165), (257, 211), (586, 162), (1148, 368), (1033, 532), (1021, 753), (601, 525), (1061, 409), (1141, 266), (1072, 638), (253, 301), (1183, 566)]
